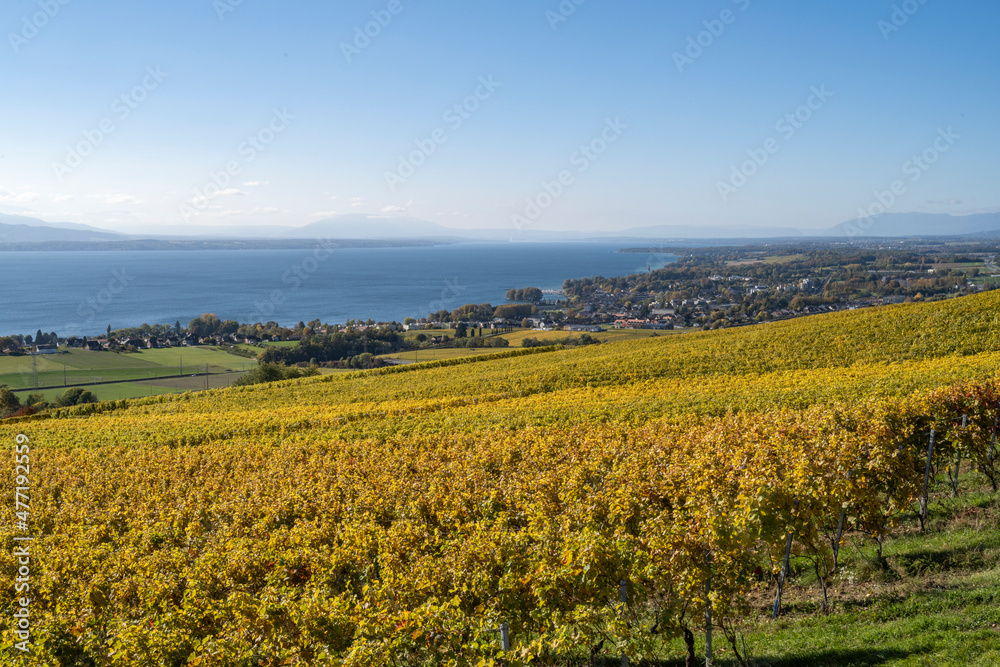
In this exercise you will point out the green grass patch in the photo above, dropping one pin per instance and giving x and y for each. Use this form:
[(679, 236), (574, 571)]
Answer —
[(121, 390), (437, 354), (82, 366), (938, 606)]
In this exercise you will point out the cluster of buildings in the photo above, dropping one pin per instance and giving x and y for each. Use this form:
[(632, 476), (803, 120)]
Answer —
[(636, 323), (15, 348), (139, 343)]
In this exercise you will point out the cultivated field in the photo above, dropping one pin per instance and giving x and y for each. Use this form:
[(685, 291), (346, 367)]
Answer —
[(91, 369), (400, 516)]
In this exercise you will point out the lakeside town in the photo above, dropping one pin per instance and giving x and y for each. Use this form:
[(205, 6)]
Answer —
[(707, 288)]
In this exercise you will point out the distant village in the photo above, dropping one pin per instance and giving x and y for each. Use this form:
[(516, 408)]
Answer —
[(707, 289)]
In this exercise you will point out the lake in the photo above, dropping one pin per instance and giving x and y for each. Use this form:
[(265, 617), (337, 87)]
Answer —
[(82, 292)]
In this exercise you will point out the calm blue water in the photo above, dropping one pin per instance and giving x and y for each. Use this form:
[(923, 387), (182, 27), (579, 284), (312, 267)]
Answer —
[(82, 292)]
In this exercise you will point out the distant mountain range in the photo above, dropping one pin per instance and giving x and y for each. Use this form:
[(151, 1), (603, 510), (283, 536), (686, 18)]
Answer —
[(919, 224), (18, 229), (22, 229)]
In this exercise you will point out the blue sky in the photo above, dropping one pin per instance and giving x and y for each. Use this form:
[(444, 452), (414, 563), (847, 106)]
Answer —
[(207, 113)]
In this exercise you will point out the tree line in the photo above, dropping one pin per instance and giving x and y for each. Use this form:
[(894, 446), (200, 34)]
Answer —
[(335, 347), (485, 312), (11, 405), (532, 294)]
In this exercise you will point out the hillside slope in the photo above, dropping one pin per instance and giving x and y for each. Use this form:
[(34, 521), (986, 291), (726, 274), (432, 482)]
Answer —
[(397, 516)]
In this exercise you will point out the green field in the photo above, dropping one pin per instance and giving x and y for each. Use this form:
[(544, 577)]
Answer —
[(985, 279), (430, 333), (139, 389), (81, 366), (439, 353), (516, 338), (277, 343), (606, 336), (397, 516)]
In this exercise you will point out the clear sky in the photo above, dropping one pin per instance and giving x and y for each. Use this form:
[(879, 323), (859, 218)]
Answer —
[(121, 114)]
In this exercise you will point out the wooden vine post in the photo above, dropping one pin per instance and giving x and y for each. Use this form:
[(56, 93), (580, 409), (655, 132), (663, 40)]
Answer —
[(836, 542), (927, 481), (708, 610), (504, 631), (623, 598), (958, 462), (781, 578), (993, 440), (784, 572)]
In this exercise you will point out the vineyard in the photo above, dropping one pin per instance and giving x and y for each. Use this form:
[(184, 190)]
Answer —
[(606, 500)]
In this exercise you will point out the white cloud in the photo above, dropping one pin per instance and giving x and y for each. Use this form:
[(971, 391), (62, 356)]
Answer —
[(120, 199), (203, 202), (324, 214), (21, 198), (393, 209), (63, 198), (256, 184), (357, 201), (232, 213)]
